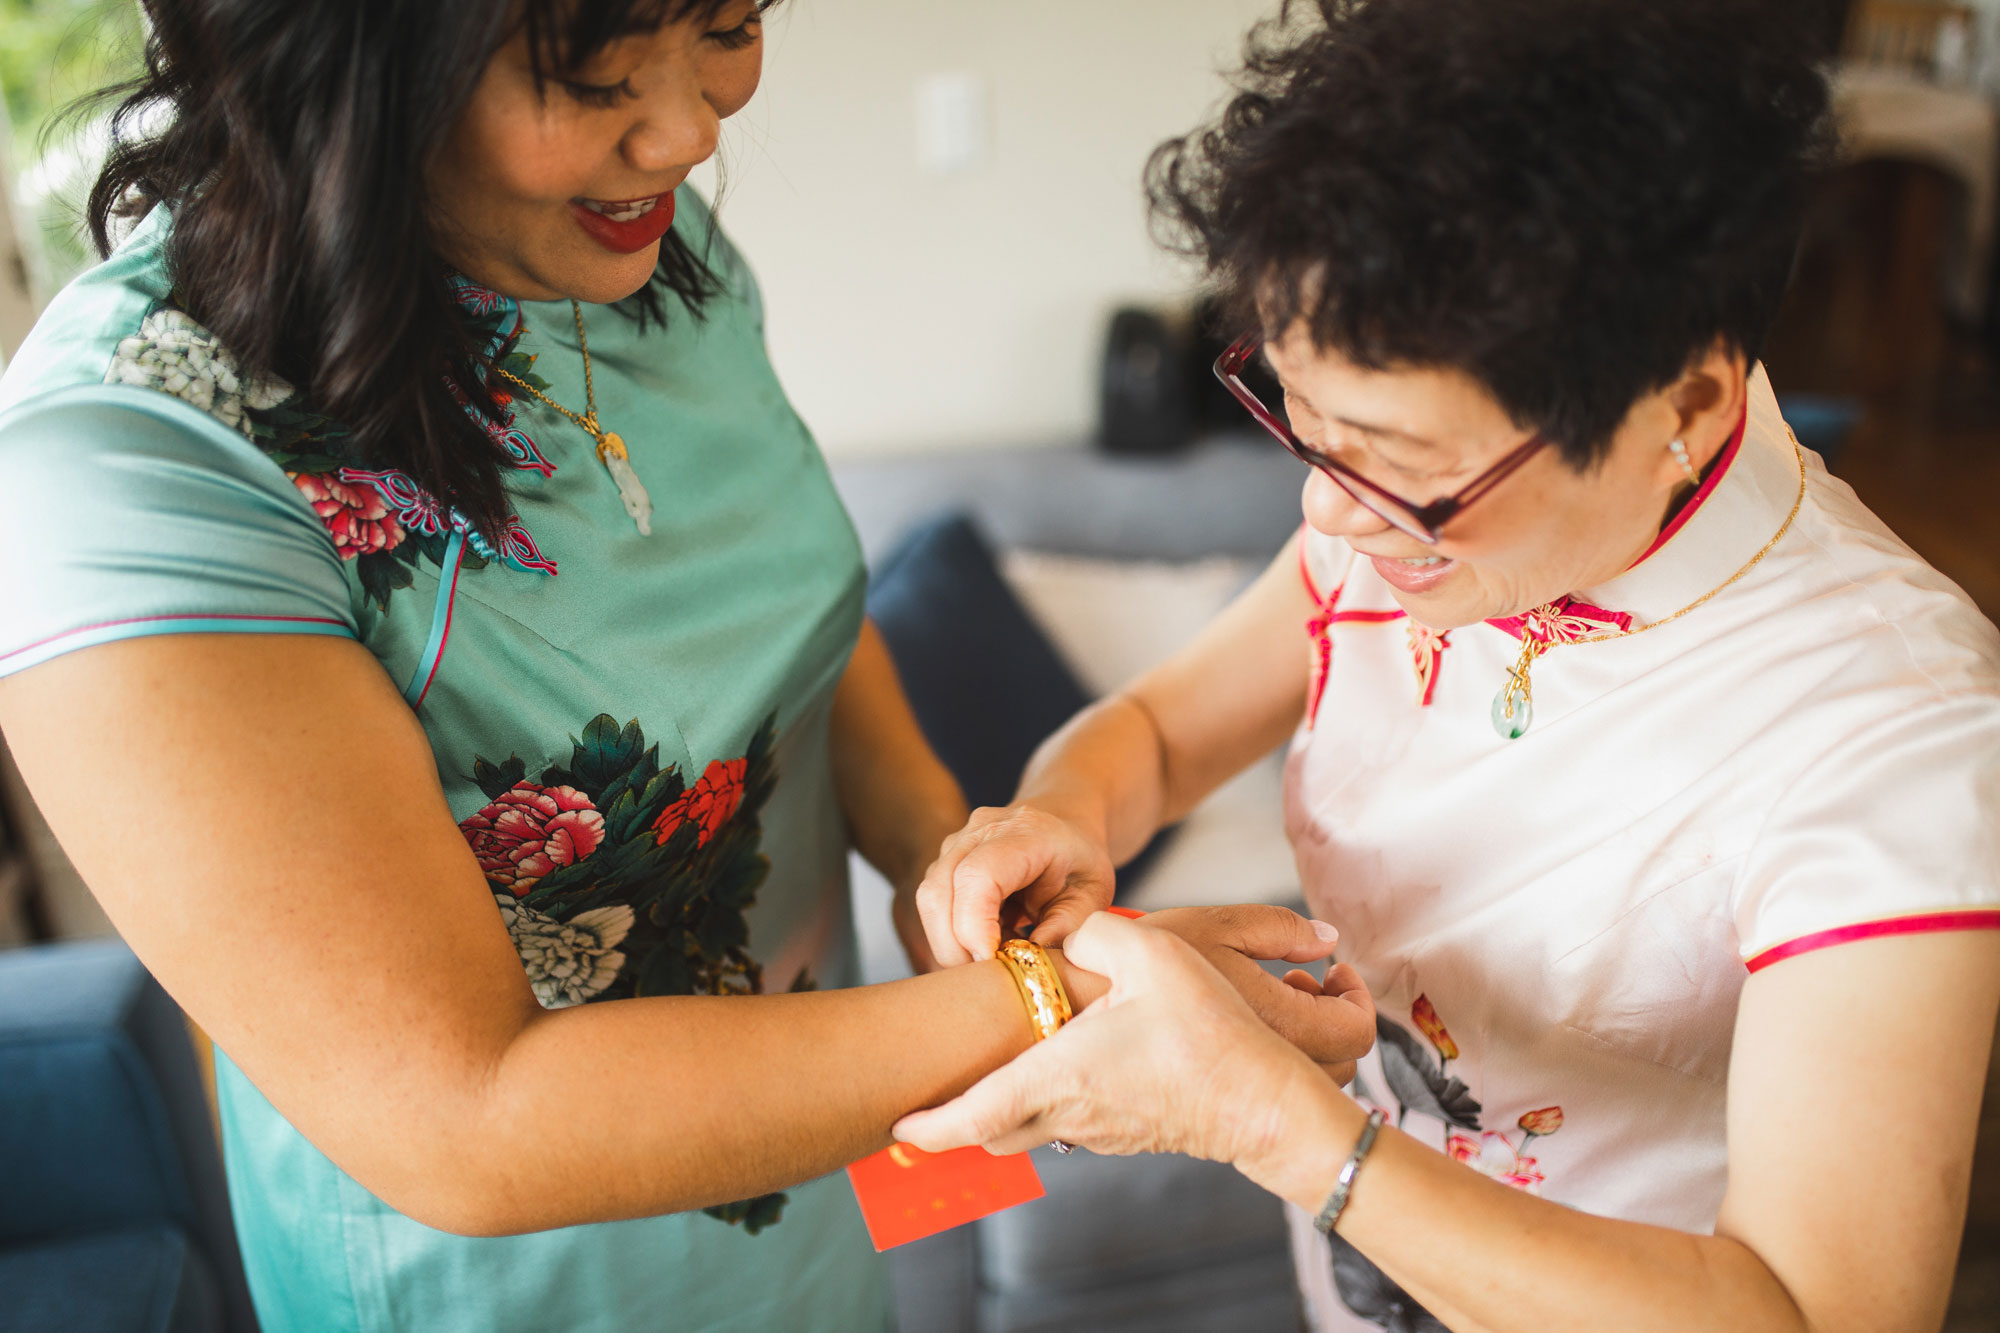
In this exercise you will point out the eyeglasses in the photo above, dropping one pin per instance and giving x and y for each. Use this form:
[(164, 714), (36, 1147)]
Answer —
[(1423, 521)]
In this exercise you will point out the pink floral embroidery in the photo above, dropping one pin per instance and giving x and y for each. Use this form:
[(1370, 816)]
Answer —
[(1491, 1155), (1427, 655), (529, 831), (356, 517)]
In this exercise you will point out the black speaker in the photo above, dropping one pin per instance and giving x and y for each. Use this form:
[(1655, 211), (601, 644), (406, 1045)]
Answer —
[(1146, 403)]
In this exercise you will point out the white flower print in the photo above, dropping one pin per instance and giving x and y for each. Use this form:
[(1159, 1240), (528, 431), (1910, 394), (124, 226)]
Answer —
[(175, 355), (568, 962)]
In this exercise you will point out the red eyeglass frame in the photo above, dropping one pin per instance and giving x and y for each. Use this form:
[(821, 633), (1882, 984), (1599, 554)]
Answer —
[(1425, 522)]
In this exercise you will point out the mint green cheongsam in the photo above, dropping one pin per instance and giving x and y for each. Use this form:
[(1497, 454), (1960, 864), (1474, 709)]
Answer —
[(631, 731)]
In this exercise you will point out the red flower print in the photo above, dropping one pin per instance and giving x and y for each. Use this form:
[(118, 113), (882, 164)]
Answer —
[(359, 519), (1545, 1121), (709, 803), (1432, 1026), (1492, 1156), (531, 830)]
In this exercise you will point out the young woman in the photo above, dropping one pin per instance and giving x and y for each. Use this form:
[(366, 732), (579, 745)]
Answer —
[(1650, 780), (439, 645)]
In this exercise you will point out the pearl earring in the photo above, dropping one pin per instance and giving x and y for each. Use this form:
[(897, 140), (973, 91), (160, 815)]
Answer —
[(1680, 452)]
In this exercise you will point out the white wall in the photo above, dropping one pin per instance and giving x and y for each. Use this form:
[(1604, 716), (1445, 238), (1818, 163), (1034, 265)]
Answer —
[(909, 310)]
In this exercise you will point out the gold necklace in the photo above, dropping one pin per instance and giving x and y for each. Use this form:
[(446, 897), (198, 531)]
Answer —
[(1513, 706), (610, 448)]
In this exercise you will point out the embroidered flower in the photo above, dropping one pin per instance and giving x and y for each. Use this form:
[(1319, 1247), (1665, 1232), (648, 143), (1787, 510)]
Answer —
[(570, 961), (358, 520), (1426, 655), (529, 831), (1432, 1026), (1491, 1155), (709, 803), (1545, 1121), (175, 355)]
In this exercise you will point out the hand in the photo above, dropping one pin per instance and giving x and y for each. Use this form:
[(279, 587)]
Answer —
[(1055, 872), (1171, 1060), (1332, 1022)]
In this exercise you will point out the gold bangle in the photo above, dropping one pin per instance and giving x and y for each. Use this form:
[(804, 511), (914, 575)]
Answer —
[(1041, 988)]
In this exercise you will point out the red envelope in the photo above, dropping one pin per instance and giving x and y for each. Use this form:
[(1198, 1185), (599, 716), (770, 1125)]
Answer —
[(907, 1194)]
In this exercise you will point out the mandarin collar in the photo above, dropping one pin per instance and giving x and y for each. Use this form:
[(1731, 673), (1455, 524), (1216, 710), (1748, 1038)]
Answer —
[(1735, 514)]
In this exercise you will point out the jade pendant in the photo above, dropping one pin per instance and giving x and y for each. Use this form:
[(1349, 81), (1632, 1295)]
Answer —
[(1511, 714), (631, 491)]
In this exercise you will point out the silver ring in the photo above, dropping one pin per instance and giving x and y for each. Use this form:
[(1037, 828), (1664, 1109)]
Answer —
[(1061, 1147)]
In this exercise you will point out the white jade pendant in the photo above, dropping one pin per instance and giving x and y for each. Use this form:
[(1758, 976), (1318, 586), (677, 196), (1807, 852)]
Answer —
[(1511, 714), (631, 491)]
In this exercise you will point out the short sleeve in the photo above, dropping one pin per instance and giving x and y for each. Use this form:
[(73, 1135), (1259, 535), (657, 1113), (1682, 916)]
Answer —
[(1894, 831), (131, 513)]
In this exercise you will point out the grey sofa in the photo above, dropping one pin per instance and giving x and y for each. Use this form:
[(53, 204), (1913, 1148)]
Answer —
[(1148, 1243)]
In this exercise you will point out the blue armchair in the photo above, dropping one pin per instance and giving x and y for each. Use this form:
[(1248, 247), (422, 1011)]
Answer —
[(113, 1211)]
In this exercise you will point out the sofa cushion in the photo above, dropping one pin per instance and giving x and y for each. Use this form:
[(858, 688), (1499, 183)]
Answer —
[(102, 1105), (1149, 1242), (982, 678), (147, 1280), (984, 682)]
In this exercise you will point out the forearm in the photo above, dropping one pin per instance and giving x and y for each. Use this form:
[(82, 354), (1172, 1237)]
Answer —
[(1484, 1257), (899, 801), (1104, 771), (659, 1105)]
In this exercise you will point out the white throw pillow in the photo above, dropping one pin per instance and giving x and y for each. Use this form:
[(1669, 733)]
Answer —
[(1112, 620)]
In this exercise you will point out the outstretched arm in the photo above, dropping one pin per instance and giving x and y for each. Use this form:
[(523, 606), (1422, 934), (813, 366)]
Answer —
[(1854, 1094), (261, 817), (1098, 789)]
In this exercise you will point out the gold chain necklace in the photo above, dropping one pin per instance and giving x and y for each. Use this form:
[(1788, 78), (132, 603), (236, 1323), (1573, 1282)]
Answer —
[(610, 448), (1513, 706)]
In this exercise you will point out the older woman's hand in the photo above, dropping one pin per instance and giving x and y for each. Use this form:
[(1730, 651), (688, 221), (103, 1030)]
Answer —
[(1332, 1022), (1017, 866), (1171, 1060)]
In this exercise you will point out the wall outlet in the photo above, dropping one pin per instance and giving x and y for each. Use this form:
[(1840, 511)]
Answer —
[(954, 131)]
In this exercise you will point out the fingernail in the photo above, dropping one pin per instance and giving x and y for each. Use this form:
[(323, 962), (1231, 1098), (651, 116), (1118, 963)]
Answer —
[(1325, 931)]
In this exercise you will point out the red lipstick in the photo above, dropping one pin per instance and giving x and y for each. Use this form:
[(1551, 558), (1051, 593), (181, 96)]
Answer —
[(628, 237)]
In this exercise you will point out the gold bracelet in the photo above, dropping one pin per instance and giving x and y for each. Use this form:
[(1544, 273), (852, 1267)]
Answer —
[(1041, 989)]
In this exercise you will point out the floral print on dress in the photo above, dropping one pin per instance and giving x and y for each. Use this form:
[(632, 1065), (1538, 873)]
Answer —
[(617, 878), (381, 521), (571, 961), (1423, 1085), (175, 355)]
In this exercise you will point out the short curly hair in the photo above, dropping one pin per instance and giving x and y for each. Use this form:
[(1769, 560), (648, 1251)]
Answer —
[(1567, 200)]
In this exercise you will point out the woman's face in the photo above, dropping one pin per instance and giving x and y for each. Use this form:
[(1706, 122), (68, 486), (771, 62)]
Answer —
[(1544, 531), (566, 191)]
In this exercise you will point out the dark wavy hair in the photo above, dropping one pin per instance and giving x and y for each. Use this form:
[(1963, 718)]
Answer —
[(1568, 200), (291, 140)]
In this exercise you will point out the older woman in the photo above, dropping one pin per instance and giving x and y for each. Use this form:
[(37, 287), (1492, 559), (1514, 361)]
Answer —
[(439, 645), (1651, 781)]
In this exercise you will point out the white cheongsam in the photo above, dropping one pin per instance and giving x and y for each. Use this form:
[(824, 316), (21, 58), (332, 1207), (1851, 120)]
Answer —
[(1557, 928)]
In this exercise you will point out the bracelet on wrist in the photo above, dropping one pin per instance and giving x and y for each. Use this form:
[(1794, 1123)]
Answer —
[(1041, 989), (1343, 1185)]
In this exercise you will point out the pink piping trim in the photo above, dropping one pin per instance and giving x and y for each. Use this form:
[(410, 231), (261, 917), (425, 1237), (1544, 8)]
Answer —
[(183, 615), (1305, 569), (1977, 918), (1367, 617), (1706, 489), (450, 607)]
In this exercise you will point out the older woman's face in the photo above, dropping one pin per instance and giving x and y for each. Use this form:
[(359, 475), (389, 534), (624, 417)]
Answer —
[(566, 191), (1545, 531)]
